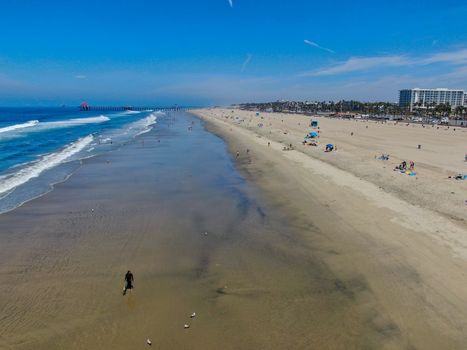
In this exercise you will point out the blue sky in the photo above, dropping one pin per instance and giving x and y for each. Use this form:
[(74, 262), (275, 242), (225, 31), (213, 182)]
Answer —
[(219, 52)]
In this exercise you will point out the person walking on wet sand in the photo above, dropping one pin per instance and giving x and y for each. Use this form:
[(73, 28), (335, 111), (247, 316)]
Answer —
[(128, 282)]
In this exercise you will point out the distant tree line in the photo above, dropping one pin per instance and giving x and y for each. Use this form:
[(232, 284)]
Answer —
[(326, 106), (436, 110), (371, 108)]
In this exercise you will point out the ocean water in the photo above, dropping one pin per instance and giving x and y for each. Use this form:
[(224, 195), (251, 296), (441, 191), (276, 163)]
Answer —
[(40, 147)]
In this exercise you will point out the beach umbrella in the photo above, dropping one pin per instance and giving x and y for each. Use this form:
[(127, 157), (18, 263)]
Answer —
[(313, 134), (329, 145)]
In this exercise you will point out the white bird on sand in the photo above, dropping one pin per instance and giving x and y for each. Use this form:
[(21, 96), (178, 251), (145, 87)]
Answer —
[(149, 342), (186, 326), (193, 314)]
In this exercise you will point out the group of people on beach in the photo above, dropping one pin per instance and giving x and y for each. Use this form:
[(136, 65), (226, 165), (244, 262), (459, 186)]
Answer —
[(403, 166)]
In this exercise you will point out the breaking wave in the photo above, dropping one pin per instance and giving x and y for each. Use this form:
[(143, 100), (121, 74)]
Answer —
[(34, 169), (19, 126)]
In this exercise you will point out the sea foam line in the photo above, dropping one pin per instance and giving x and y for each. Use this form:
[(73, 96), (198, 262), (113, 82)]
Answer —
[(75, 121), (35, 125), (11, 181), (132, 112), (28, 124), (145, 123)]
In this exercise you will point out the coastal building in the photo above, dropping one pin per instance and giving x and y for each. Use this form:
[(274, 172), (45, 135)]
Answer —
[(410, 98)]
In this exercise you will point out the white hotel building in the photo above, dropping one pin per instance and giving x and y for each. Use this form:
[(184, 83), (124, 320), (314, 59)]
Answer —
[(426, 97)]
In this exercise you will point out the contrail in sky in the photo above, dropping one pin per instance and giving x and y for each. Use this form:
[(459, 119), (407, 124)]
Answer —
[(247, 60), (312, 43), (231, 3)]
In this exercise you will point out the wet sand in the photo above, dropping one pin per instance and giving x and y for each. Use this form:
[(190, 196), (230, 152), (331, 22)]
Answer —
[(290, 259)]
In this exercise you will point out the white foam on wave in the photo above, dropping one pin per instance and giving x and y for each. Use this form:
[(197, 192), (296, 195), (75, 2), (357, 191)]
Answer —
[(11, 181), (75, 121), (133, 112), (28, 124), (36, 126), (144, 131), (144, 124)]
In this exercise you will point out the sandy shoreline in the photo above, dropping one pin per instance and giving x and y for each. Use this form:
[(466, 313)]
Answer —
[(405, 261), (252, 281), (309, 257), (442, 154)]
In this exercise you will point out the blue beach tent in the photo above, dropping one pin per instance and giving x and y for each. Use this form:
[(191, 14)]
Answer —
[(313, 134)]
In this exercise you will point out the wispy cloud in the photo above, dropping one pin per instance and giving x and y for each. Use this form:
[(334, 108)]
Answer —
[(354, 64), (312, 43), (80, 76), (230, 3), (360, 64), (246, 62), (454, 57)]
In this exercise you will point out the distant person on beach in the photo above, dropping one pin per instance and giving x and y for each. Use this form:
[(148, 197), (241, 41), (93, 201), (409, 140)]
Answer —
[(128, 282), (384, 157)]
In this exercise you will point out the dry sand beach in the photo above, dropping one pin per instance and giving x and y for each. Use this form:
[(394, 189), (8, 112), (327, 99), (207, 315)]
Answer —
[(397, 243), (288, 253), (442, 153)]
